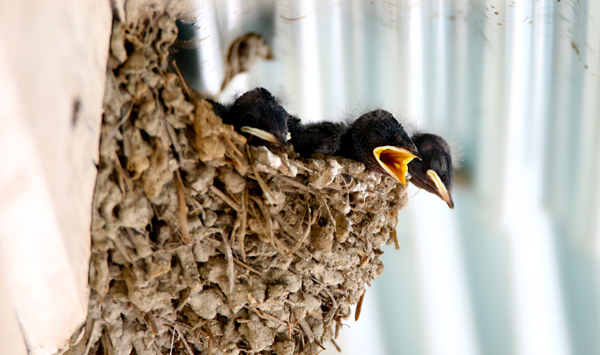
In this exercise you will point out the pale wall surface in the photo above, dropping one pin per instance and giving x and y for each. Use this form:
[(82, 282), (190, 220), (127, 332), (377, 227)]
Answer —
[(52, 66)]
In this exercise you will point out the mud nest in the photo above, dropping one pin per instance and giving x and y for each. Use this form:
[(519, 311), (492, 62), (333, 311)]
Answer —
[(203, 244)]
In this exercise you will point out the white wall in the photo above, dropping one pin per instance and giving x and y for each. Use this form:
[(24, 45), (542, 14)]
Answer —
[(52, 67)]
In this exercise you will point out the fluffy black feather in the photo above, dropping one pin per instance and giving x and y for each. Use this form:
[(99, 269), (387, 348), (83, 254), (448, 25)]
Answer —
[(322, 138), (371, 130), (256, 109)]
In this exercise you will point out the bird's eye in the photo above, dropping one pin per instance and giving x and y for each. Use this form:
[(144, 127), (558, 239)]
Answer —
[(438, 165), (375, 135), (250, 119)]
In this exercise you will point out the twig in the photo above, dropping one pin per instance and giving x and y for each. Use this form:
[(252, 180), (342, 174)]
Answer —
[(225, 198), (89, 344), (263, 185), (331, 218), (242, 231), (291, 231), (307, 330), (148, 318), (250, 268), (315, 314), (294, 183), (183, 340), (173, 137), (183, 300), (173, 340), (265, 315), (337, 347), (313, 219), (320, 345), (359, 306), (123, 177), (326, 289), (109, 348), (187, 89), (289, 324), (395, 238), (274, 241), (234, 159), (181, 213), (360, 252), (212, 338), (179, 333), (232, 146), (230, 269), (122, 248)]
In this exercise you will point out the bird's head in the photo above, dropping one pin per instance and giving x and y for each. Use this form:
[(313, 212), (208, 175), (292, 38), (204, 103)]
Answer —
[(257, 113), (380, 142), (433, 172)]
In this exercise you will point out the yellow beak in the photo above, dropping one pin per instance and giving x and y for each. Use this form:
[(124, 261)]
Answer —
[(394, 161), (441, 188), (264, 135)]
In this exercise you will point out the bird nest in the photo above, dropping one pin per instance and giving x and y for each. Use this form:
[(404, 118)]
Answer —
[(203, 244)]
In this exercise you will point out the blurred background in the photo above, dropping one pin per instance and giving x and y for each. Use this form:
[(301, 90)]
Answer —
[(513, 269)]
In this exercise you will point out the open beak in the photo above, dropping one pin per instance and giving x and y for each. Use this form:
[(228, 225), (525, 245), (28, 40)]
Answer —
[(394, 161), (441, 190), (264, 135)]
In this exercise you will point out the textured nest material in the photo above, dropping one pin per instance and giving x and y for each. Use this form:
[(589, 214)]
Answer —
[(203, 244)]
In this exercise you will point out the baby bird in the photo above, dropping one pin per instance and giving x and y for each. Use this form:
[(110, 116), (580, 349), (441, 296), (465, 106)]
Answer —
[(379, 141), (256, 113), (322, 138), (433, 172), (376, 139)]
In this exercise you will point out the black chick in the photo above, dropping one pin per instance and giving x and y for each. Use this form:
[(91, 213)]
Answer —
[(433, 172), (258, 114), (376, 139), (379, 141), (322, 138)]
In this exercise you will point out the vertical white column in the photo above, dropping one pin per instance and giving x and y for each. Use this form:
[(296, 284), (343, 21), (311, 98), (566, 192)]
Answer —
[(569, 42), (416, 93), (439, 114), (584, 229), (445, 301), (231, 12), (297, 51), (458, 89), (210, 54), (356, 69), (586, 221), (488, 173), (332, 56), (337, 59), (304, 24), (448, 319), (589, 193), (388, 61), (539, 324)]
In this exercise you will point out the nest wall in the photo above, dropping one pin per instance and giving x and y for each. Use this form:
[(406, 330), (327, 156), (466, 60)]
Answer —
[(204, 244)]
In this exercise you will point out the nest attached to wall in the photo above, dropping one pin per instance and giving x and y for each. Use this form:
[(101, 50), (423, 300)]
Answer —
[(203, 244)]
